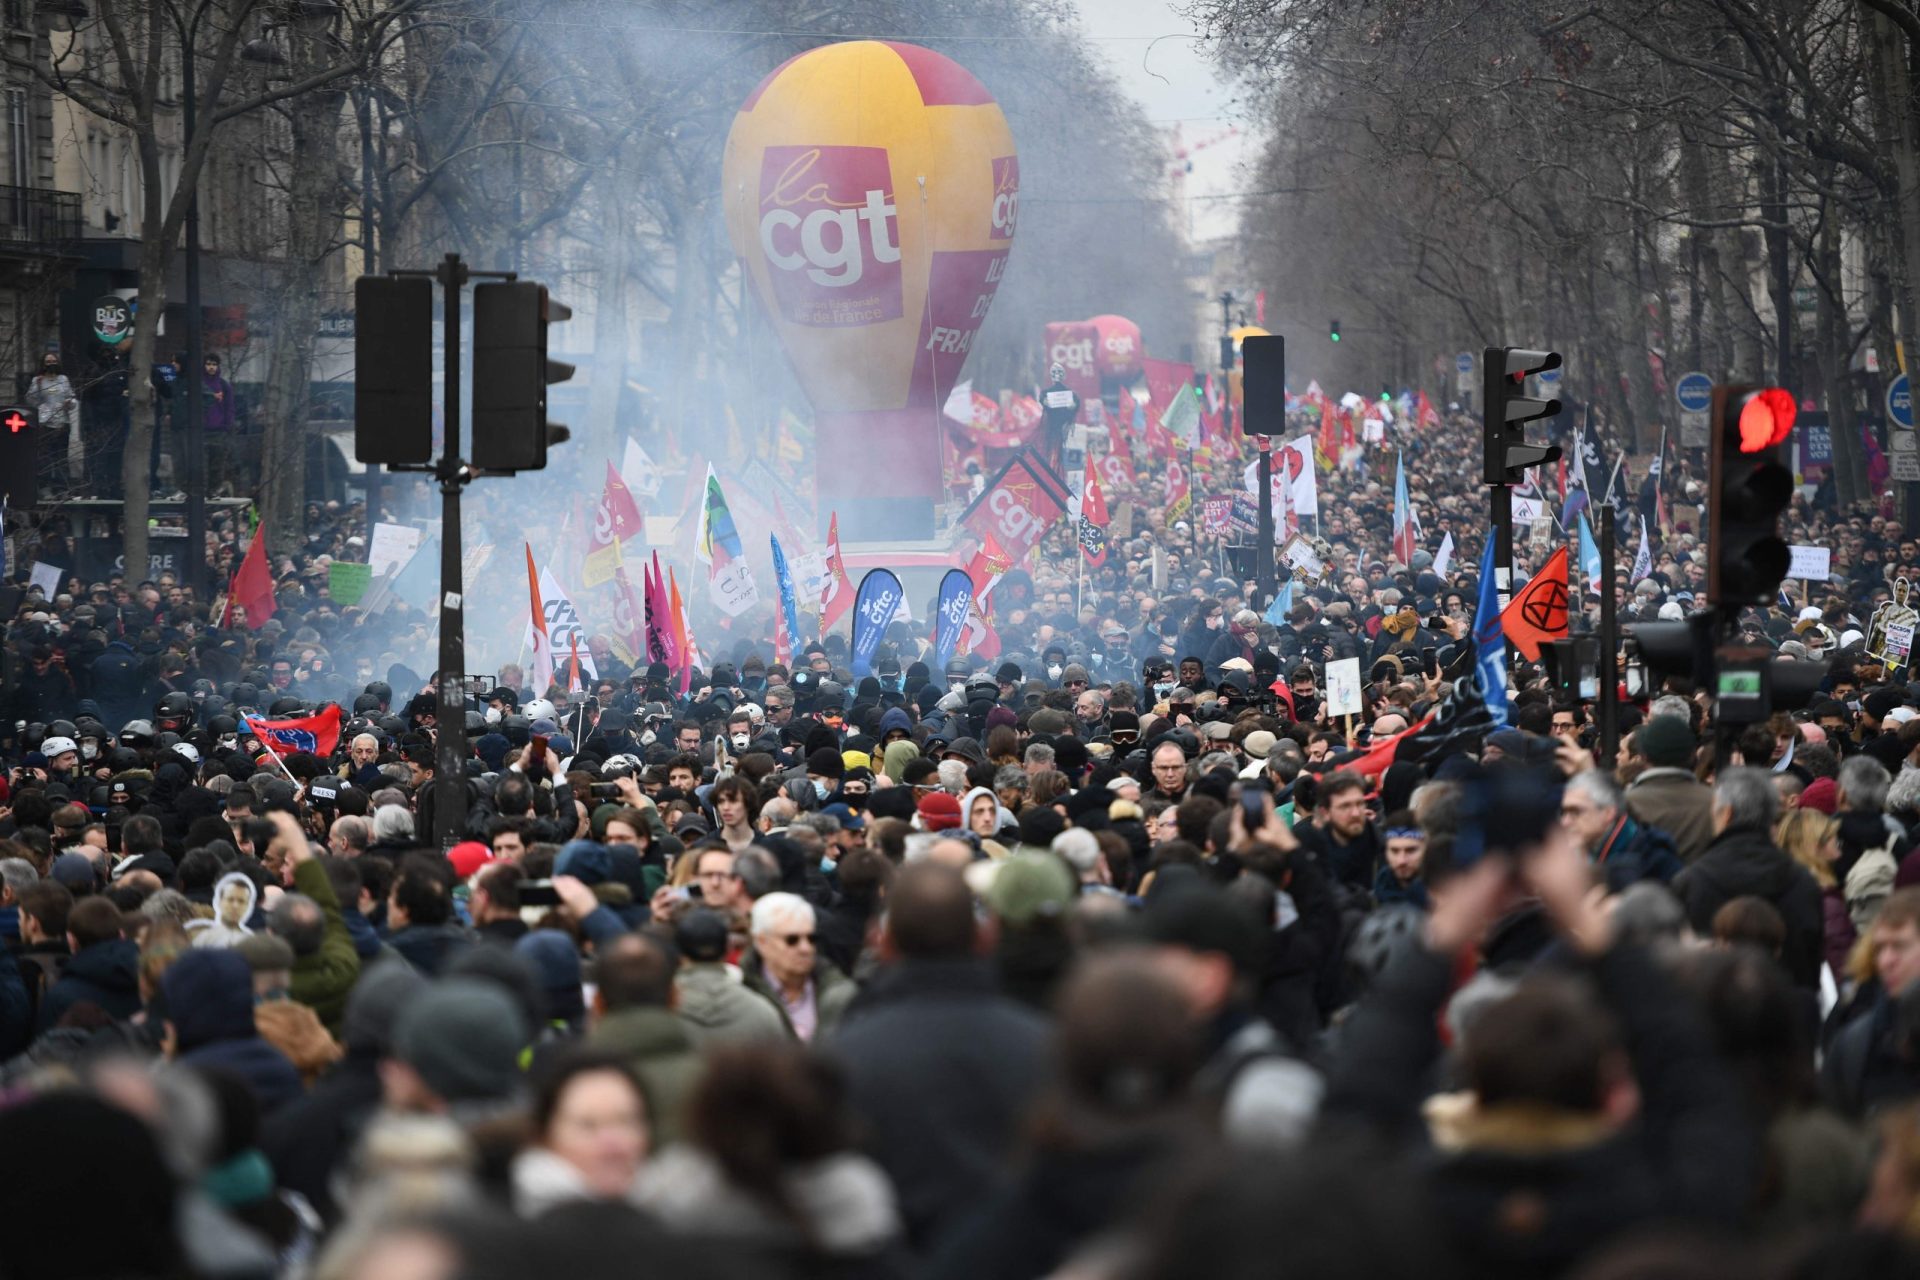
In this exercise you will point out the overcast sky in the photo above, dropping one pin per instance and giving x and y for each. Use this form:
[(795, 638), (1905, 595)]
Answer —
[(1174, 80)]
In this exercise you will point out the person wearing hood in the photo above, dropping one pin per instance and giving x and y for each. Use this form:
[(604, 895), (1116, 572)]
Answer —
[(104, 969), (1742, 860), (208, 997), (898, 754), (984, 815)]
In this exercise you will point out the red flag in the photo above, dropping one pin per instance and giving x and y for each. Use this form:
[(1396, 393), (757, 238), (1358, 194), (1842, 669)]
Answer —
[(253, 584), (989, 561), (629, 625), (1160, 441), (1379, 756), (1425, 415), (1116, 469), (1165, 379), (682, 641), (316, 734), (542, 670), (1093, 523), (573, 663), (613, 520), (838, 597), (1538, 611)]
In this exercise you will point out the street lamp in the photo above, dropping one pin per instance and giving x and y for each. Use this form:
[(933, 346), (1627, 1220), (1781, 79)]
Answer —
[(60, 15)]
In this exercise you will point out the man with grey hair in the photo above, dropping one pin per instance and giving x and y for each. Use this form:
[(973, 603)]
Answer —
[(1594, 809), (953, 776), (785, 965), (1080, 849), (1743, 861), (1039, 758), (1868, 837)]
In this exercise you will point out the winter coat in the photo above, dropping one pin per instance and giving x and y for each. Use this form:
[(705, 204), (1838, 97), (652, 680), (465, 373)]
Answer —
[(310, 1138), (47, 696), (718, 1008), (106, 974), (1676, 802), (1747, 863), (428, 947), (209, 1003), (843, 1199), (833, 991), (1864, 1070), (1836, 943), (1688, 1158), (16, 1010), (658, 1046), (119, 683), (322, 981), (941, 1068), (1632, 853), (542, 1181)]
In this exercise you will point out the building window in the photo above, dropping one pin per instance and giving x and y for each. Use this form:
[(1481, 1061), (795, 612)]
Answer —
[(19, 139)]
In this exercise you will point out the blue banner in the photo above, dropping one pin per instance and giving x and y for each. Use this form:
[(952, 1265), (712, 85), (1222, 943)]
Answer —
[(950, 616), (874, 605), (783, 579), (1490, 641)]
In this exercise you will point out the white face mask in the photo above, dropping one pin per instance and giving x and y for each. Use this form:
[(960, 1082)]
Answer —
[(493, 715), (646, 739), (1053, 671), (740, 741)]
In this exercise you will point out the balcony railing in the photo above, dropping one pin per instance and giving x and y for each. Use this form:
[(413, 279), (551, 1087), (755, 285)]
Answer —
[(38, 222)]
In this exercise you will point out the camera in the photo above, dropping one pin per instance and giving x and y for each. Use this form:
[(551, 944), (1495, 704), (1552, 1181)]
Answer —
[(603, 791), (538, 893)]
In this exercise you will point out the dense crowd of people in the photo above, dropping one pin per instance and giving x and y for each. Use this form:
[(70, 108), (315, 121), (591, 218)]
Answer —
[(1112, 955)]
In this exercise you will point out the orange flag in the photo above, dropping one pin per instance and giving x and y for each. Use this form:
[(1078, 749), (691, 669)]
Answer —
[(1538, 611)]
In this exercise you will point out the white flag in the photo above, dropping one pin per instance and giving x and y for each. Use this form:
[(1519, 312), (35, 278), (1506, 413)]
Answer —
[(1443, 557), (959, 404), (637, 471), (564, 628), (1643, 558)]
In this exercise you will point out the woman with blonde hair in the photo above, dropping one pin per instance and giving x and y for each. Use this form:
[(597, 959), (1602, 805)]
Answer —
[(1812, 839)]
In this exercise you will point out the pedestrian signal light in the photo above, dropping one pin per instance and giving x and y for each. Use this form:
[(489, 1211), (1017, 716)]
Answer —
[(1751, 486), (19, 443)]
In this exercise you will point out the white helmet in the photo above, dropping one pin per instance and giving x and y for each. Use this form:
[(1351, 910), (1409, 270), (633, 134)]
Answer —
[(540, 709), (53, 747), (620, 764), (187, 751)]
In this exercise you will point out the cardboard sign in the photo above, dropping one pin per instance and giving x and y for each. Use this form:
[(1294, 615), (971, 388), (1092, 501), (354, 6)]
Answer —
[(1299, 553), (1343, 687), (46, 577), (392, 546), (1216, 515), (347, 583), (1811, 564)]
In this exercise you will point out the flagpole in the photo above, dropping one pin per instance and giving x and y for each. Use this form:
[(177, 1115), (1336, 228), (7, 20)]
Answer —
[(1609, 646)]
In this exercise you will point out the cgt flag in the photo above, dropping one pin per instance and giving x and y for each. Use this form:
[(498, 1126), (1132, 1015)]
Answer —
[(316, 734), (950, 615), (873, 610), (615, 519), (837, 595), (1538, 611), (1093, 523)]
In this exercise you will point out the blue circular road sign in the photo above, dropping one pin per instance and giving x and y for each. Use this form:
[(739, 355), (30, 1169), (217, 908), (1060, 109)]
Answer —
[(1463, 363), (1694, 392), (1900, 403)]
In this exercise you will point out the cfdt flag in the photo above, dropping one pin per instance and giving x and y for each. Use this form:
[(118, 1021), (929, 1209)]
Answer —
[(1490, 645), (786, 618), (950, 615), (874, 606), (316, 734)]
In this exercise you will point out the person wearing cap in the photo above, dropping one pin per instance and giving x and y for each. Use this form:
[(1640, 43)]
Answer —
[(455, 1050), (717, 1006), (1664, 794)]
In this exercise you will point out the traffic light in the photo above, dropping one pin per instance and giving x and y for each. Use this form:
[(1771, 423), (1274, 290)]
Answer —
[(1333, 331), (393, 369), (19, 461), (1748, 683), (1504, 373), (1263, 397), (1751, 487), (511, 374)]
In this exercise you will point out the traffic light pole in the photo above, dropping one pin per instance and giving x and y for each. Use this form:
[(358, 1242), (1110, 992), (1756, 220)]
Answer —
[(1263, 553), (1500, 500)]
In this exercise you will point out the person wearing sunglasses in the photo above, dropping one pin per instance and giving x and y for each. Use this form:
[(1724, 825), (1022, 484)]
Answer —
[(787, 968)]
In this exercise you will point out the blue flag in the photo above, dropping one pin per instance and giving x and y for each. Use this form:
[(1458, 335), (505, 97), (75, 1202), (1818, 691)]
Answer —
[(1490, 667), (1282, 605), (950, 616), (1589, 556), (783, 579), (874, 605)]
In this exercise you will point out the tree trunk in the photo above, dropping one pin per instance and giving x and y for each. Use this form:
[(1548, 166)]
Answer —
[(1830, 345), (316, 206), (1900, 132), (136, 476), (609, 372)]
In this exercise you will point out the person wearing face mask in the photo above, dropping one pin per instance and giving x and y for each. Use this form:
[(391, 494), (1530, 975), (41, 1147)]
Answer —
[(887, 669), (739, 730)]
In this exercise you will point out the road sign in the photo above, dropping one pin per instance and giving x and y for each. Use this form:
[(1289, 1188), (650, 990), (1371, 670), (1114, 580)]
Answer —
[(1900, 402), (1694, 394), (1903, 453), (1463, 371)]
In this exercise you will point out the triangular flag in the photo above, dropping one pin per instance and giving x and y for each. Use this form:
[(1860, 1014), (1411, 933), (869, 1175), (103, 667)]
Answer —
[(1443, 558), (1642, 559), (542, 667), (1538, 611), (1282, 605)]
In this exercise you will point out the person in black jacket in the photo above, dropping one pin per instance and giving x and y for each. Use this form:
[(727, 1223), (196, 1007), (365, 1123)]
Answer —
[(104, 970), (940, 1066), (1585, 1117), (1743, 861), (420, 920)]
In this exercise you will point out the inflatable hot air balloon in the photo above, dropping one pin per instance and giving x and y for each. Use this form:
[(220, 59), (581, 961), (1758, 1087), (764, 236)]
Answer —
[(872, 192), (1117, 351)]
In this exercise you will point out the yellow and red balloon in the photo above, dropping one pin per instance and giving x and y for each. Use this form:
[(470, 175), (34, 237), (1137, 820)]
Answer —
[(872, 192)]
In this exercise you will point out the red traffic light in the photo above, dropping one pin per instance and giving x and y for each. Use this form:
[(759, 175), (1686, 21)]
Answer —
[(1766, 419), (15, 422)]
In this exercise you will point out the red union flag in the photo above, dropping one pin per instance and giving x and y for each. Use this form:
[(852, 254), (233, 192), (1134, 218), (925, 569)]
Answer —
[(1006, 197), (1018, 508), (316, 734), (1116, 469), (829, 231), (1073, 347)]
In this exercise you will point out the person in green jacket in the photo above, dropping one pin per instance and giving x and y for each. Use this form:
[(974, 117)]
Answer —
[(325, 964), (633, 1017)]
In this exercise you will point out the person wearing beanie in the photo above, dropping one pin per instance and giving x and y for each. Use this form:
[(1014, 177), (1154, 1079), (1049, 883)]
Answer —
[(1821, 795), (208, 997), (1666, 796), (307, 1140), (938, 811), (456, 1044)]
